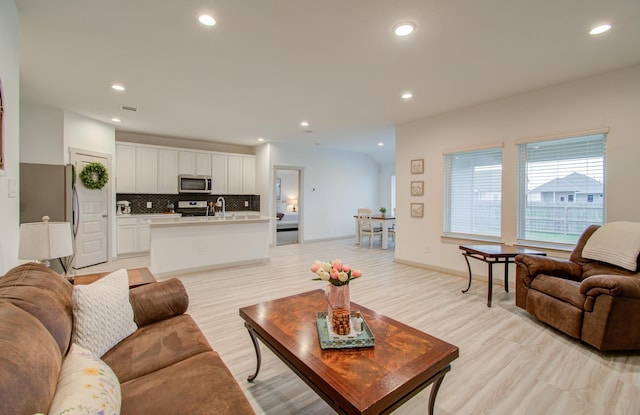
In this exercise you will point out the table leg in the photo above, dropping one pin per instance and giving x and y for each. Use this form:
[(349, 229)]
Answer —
[(357, 232), (256, 346), (385, 235), (435, 387), (506, 275), (490, 284), (468, 266)]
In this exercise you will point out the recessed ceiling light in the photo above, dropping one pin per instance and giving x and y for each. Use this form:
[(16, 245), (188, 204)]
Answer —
[(116, 120), (117, 87), (207, 20), (304, 123), (261, 139), (600, 29), (380, 144), (404, 29), (407, 95)]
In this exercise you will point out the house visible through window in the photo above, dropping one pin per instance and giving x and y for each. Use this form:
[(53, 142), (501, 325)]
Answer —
[(473, 193), (557, 182)]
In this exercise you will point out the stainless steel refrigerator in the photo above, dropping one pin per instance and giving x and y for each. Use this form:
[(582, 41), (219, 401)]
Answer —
[(49, 190)]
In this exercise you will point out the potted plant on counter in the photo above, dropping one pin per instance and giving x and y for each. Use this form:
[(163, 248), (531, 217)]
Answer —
[(383, 211)]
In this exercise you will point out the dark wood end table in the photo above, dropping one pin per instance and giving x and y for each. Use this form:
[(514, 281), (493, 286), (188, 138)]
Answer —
[(494, 254), (368, 380), (137, 277)]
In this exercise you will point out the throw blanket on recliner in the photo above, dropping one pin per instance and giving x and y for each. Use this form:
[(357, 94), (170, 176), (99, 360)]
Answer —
[(616, 243)]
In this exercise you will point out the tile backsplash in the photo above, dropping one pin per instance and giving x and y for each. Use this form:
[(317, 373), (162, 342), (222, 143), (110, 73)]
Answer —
[(159, 202)]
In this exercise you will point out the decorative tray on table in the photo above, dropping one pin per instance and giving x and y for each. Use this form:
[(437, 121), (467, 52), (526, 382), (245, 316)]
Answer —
[(330, 340)]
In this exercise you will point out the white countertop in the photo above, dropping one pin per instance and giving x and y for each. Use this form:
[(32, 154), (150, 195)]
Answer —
[(210, 220)]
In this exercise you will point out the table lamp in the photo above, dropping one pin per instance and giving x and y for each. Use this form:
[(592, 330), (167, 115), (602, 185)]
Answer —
[(42, 241), (293, 202)]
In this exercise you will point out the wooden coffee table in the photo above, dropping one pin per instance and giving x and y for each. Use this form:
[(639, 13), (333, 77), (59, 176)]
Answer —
[(371, 380), (137, 277)]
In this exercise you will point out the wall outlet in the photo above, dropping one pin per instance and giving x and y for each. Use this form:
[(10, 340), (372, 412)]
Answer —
[(246, 203), (149, 205)]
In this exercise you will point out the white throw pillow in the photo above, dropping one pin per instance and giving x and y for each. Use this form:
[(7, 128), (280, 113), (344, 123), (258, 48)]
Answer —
[(86, 385), (102, 313), (616, 243)]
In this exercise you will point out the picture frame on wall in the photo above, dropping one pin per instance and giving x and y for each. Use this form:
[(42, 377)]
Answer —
[(417, 166), (417, 210), (417, 188)]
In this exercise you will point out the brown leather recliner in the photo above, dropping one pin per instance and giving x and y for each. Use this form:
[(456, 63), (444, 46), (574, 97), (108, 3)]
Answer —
[(596, 302)]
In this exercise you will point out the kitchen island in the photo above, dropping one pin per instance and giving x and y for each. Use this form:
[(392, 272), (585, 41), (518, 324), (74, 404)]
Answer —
[(190, 244)]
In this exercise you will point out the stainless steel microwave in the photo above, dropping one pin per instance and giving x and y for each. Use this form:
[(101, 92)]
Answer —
[(194, 184)]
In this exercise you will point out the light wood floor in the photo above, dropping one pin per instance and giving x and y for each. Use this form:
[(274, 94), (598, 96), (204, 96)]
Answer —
[(508, 364)]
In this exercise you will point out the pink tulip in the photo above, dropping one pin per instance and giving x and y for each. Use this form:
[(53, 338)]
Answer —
[(356, 273), (346, 268), (337, 264), (315, 268), (334, 274)]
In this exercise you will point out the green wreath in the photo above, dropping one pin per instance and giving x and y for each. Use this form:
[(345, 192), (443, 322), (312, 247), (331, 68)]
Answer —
[(94, 176)]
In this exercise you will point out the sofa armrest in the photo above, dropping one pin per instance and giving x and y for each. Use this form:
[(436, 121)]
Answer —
[(158, 301), (534, 265), (614, 285)]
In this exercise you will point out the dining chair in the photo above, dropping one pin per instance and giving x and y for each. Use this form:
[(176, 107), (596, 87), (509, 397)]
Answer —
[(392, 230), (367, 226)]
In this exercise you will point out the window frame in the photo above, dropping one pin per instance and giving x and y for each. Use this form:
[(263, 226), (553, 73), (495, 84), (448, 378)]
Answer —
[(447, 199), (590, 137)]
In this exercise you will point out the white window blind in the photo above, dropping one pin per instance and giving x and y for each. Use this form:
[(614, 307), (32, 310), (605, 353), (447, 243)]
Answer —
[(473, 193), (560, 188)]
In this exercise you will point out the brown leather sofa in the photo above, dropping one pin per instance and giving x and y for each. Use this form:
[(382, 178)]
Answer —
[(165, 367), (596, 302)]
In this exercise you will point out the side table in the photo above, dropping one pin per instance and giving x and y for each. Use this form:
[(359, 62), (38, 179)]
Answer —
[(494, 254)]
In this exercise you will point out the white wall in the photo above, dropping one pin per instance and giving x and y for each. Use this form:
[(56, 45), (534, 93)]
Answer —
[(384, 190), (41, 134), (9, 177), (89, 134), (335, 184), (610, 100)]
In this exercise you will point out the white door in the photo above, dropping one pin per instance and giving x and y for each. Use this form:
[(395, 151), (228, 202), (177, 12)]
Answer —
[(92, 213)]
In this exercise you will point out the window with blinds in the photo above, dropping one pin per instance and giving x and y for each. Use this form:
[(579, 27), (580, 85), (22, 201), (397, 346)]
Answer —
[(473, 193), (560, 188)]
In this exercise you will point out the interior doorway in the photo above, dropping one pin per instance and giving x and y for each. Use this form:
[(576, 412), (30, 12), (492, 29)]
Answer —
[(288, 205)]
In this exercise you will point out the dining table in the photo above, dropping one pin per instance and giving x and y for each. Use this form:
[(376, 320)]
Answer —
[(384, 221)]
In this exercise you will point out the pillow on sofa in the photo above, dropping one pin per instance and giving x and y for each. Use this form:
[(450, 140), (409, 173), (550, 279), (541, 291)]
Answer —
[(616, 243), (102, 313), (86, 385)]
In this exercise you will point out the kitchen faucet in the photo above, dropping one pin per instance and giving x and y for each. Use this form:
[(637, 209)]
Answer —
[(221, 202)]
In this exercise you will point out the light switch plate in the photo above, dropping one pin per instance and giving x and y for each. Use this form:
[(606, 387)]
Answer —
[(246, 203)]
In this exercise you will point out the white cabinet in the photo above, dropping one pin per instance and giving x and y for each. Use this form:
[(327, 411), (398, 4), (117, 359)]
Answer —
[(234, 175), (241, 175), (142, 168), (218, 173), (194, 162), (125, 169), (134, 233), (127, 235), (248, 175), (146, 170), (167, 171)]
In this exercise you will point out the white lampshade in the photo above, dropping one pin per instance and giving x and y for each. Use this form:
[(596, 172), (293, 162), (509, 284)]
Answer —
[(45, 240), (292, 202)]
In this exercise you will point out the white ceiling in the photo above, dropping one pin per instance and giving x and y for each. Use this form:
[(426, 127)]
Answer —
[(267, 65)]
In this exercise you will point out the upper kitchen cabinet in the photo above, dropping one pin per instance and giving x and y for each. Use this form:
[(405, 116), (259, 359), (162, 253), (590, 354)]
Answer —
[(167, 171), (125, 169), (146, 170), (194, 163), (241, 175), (218, 174)]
